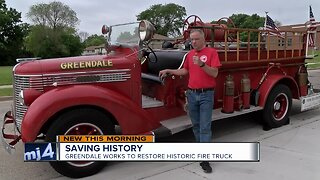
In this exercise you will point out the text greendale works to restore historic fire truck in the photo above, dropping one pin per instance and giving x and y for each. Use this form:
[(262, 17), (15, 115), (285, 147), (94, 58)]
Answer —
[(97, 95)]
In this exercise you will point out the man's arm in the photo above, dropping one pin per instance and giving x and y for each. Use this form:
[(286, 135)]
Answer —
[(212, 71), (177, 72)]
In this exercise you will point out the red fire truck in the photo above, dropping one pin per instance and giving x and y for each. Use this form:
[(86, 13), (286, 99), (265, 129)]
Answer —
[(121, 92)]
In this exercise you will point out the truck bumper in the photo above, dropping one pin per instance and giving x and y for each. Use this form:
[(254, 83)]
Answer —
[(9, 140), (311, 101)]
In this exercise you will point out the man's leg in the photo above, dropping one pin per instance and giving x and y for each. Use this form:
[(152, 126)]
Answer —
[(206, 108), (194, 113)]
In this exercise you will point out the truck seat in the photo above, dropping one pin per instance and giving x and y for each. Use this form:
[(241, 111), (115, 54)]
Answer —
[(166, 59)]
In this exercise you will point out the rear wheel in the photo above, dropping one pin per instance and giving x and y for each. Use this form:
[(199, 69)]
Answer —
[(84, 121), (277, 108)]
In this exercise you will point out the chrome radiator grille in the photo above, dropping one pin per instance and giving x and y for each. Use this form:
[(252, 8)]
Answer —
[(21, 83)]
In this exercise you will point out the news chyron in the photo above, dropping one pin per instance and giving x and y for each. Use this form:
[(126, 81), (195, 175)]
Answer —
[(138, 148), (45, 151)]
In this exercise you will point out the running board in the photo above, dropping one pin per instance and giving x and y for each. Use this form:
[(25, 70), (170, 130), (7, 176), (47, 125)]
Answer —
[(178, 124), (148, 102)]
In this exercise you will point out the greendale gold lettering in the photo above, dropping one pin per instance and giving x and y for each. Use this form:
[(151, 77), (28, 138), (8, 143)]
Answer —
[(94, 64), (70, 65), (99, 64), (75, 65), (86, 64), (63, 65), (109, 63), (82, 65)]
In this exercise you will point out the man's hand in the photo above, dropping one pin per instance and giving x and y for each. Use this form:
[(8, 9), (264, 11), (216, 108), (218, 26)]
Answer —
[(164, 73), (197, 61)]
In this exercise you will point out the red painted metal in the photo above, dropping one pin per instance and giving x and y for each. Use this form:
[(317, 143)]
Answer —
[(131, 118)]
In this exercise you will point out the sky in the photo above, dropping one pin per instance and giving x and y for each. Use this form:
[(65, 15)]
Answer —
[(95, 13)]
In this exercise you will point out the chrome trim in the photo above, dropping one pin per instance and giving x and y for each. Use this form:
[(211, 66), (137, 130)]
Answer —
[(27, 59)]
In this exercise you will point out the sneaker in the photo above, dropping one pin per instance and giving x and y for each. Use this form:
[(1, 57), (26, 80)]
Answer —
[(206, 166)]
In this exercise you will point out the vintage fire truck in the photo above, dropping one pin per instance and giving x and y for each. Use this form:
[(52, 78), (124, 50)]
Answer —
[(121, 92)]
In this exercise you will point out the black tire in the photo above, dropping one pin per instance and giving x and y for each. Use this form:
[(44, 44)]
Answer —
[(277, 108), (82, 121)]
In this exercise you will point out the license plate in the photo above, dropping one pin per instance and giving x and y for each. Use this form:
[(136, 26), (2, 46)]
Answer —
[(310, 101)]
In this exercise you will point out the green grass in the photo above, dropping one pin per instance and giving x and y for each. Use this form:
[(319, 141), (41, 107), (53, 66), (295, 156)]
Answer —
[(5, 75), (6, 92), (315, 62)]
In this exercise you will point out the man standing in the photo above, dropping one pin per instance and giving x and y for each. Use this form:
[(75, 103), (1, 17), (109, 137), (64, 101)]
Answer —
[(202, 65)]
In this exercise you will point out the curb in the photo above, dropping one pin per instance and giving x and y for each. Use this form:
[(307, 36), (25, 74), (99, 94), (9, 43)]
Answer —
[(5, 98)]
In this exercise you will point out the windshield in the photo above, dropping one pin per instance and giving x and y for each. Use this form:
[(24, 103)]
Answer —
[(124, 34)]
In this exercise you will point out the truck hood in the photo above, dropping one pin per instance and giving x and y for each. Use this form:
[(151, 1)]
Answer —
[(74, 64)]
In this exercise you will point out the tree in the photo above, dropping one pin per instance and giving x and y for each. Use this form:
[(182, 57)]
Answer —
[(83, 36), (167, 19), (94, 40), (53, 34), (46, 42), (54, 15), (248, 22), (245, 21), (12, 33)]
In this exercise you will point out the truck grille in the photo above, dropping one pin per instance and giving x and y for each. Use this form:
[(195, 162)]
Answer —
[(21, 83)]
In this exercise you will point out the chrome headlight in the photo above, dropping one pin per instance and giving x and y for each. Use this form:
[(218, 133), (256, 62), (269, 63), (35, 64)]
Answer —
[(146, 30)]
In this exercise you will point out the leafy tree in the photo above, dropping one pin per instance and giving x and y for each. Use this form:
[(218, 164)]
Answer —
[(94, 40), (12, 32), (167, 19), (124, 36), (245, 21), (248, 22), (46, 42), (54, 15), (53, 34)]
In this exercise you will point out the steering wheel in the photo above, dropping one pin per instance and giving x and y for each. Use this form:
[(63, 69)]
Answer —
[(145, 52), (188, 22)]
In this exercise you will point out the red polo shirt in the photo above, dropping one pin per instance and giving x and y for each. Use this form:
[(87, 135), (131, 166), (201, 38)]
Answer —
[(198, 78)]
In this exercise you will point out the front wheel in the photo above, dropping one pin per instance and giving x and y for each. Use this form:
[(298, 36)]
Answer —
[(84, 121), (277, 108)]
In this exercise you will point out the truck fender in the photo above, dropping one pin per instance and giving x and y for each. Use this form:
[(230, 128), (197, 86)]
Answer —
[(271, 81), (130, 116)]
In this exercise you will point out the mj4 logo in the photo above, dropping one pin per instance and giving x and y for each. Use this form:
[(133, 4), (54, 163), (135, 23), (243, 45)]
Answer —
[(40, 151)]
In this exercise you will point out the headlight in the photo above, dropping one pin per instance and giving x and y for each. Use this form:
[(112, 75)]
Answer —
[(27, 96), (146, 30)]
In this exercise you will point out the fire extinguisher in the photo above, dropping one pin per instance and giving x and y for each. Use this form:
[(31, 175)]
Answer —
[(245, 91), (303, 81), (228, 97)]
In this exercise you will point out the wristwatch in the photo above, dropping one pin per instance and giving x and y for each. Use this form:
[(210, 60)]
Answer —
[(203, 64)]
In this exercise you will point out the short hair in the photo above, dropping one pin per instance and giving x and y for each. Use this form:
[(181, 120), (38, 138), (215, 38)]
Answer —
[(199, 31)]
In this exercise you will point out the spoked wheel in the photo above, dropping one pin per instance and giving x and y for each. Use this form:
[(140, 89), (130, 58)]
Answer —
[(278, 106), (192, 20), (84, 121), (227, 22)]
